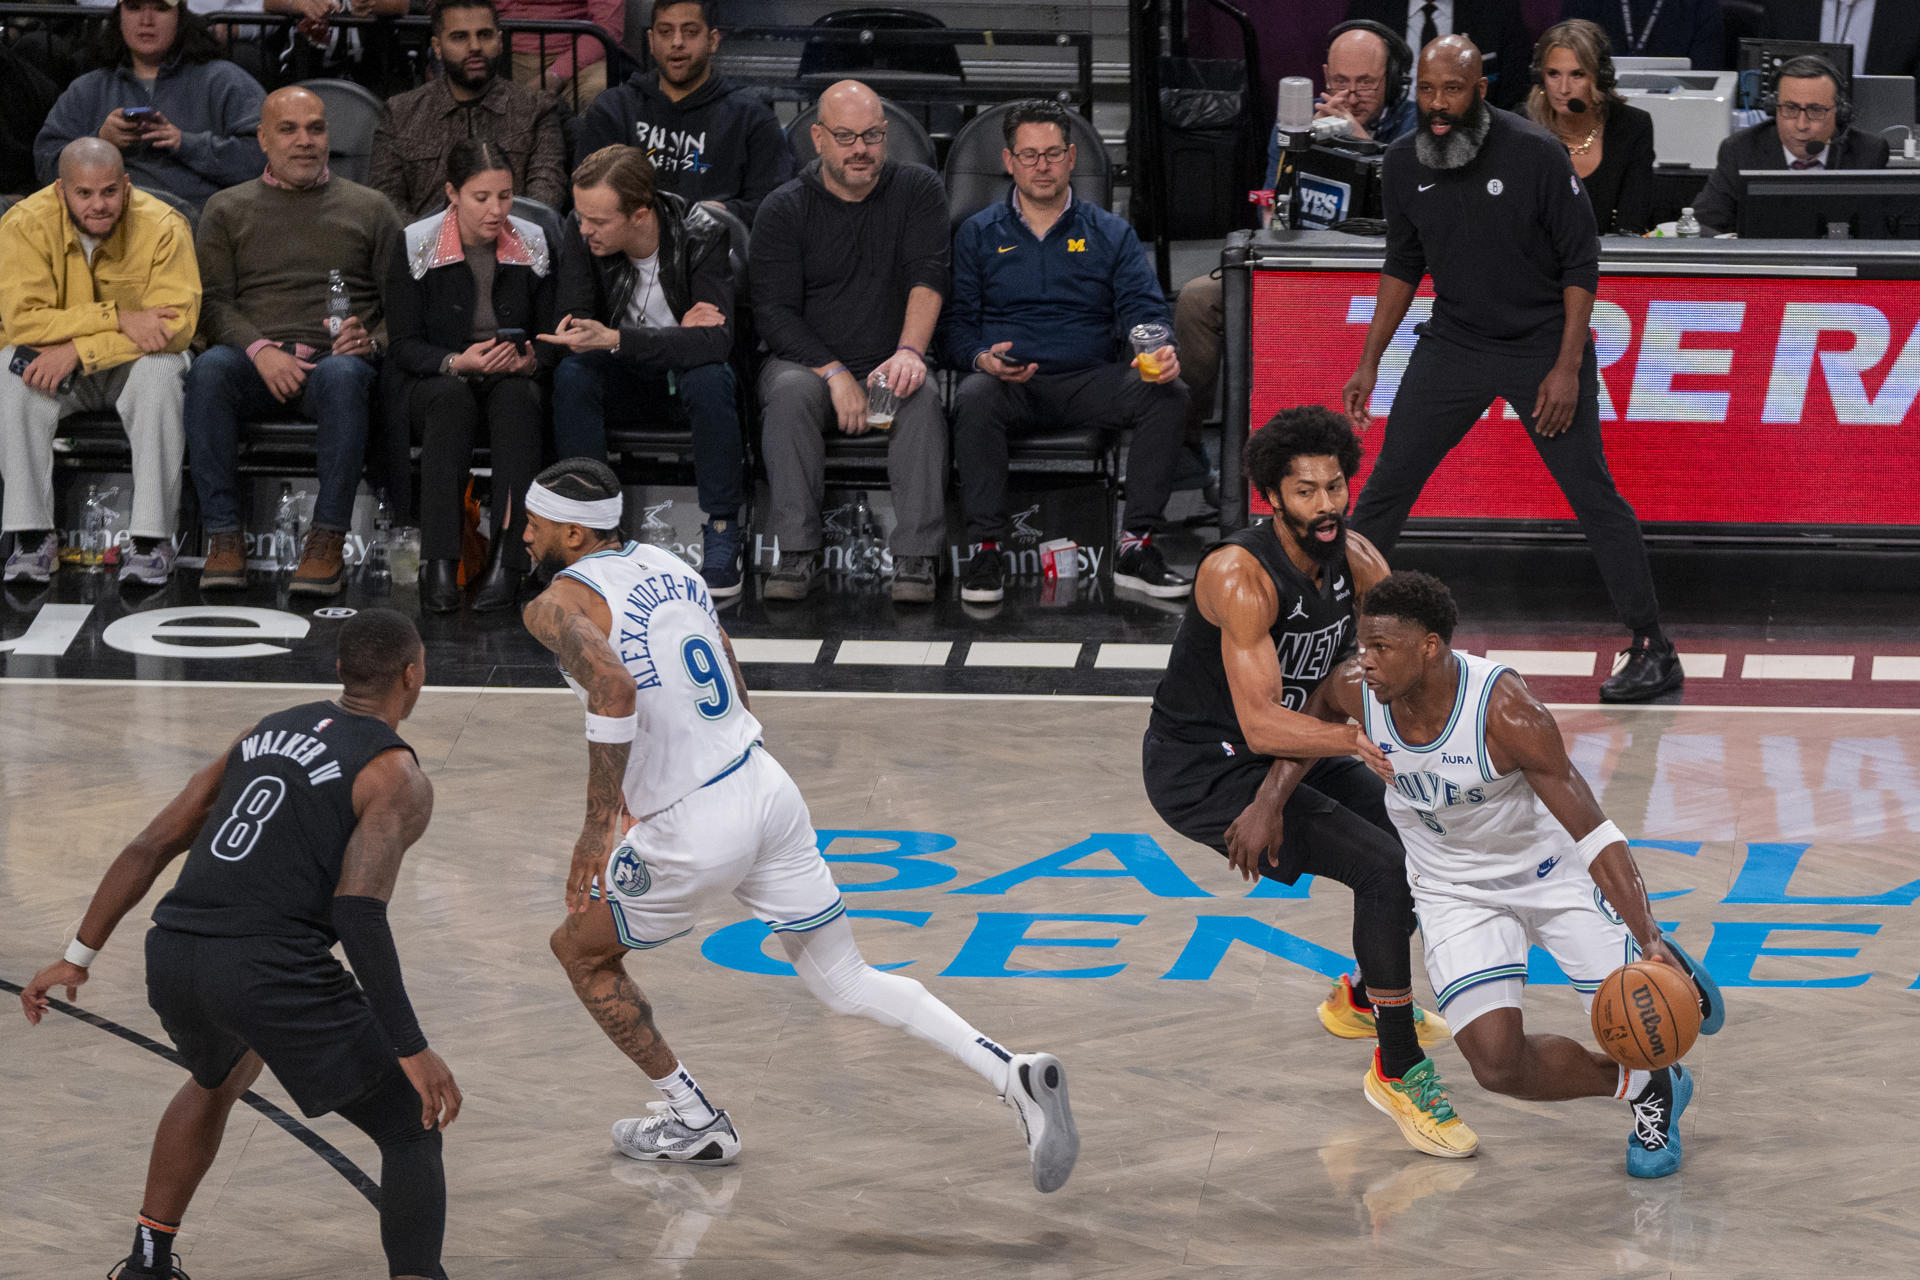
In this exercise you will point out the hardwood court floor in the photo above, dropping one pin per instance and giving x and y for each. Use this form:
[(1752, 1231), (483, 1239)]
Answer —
[(1225, 1133)]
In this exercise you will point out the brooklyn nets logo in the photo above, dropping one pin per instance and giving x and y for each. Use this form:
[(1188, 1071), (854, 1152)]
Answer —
[(630, 874)]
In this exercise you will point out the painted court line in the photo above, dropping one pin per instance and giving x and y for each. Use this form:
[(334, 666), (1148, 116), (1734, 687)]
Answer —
[(1704, 666), (1890, 667), (1022, 653), (893, 653), (800, 651), (1546, 662), (1133, 657), (1797, 666)]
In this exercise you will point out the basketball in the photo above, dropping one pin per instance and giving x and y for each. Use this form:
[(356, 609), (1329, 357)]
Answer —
[(1646, 1015)]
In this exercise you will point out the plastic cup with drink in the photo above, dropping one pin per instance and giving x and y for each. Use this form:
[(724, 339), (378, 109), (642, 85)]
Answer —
[(881, 402), (1148, 339)]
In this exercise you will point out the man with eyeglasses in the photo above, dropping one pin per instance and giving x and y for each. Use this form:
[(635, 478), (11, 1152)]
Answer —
[(849, 269), (1046, 287), (1811, 129)]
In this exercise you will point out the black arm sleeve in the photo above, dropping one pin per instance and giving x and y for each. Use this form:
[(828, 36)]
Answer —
[(364, 936)]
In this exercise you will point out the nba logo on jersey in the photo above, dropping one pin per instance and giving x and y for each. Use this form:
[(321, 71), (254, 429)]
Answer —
[(630, 874)]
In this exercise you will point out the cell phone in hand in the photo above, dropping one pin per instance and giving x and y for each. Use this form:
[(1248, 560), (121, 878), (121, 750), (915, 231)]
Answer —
[(24, 356), (518, 337), (139, 115), (1013, 358)]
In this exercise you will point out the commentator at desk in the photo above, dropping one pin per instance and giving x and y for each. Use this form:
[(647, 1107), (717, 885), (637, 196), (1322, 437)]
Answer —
[(1811, 129)]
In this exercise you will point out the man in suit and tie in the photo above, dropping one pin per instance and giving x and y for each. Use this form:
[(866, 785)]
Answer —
[(1496, 27), (1810, 130), (1885, 39)]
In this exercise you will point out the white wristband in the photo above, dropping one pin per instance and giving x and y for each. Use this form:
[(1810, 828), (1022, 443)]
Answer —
[(612, 728), (1595, 842), (79, 953)]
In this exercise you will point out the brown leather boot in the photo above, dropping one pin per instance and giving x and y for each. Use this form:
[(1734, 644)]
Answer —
[(323, 569), (226, 561)]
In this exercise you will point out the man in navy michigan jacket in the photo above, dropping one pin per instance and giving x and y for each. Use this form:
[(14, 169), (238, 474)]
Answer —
[(1045, 290)]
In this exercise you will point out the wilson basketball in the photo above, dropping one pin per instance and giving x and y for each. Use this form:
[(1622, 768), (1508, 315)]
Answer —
[(1646, 1015)]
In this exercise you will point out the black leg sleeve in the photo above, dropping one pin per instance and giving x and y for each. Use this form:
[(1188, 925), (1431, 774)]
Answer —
[(413, 1181)]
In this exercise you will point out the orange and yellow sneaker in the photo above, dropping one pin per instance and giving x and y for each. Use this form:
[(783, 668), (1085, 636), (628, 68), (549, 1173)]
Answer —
[(1341, 1018), (1417, 1102)]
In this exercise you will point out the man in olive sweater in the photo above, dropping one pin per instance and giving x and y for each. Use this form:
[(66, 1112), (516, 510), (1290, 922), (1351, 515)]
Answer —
[(267, 250)]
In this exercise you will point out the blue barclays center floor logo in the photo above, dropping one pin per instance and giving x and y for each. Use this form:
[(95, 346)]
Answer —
[(1017, 944)]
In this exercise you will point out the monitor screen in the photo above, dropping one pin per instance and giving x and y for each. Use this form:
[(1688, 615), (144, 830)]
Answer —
[(1332, 184), (1761, 58), (1842, 204)]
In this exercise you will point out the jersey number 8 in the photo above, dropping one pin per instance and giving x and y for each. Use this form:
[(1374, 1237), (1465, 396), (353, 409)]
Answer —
[(258, 801), (709, 672)]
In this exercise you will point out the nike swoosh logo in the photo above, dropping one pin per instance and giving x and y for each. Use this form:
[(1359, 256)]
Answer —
[(1546, 868), (1430, 186), (1008, 248)]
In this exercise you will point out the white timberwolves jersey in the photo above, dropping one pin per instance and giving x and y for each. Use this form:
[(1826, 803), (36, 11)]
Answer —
[(1459, 820), (692, 725)]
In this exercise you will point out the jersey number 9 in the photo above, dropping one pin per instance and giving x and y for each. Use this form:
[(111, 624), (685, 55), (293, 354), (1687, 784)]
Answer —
[(708, 671)]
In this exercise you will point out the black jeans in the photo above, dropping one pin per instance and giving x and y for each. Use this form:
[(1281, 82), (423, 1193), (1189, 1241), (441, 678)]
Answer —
[(986, 411), (1445, 390), (448, 416)]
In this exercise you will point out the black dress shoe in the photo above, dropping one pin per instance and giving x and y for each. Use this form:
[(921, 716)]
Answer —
[(1650, 671), (440, 586), (500, 589)]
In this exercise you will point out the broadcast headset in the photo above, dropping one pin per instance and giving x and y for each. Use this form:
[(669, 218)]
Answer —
[(1399, 57)]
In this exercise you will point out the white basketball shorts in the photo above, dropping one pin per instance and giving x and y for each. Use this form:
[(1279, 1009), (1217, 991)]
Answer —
[(746, 833), (1477, 935)]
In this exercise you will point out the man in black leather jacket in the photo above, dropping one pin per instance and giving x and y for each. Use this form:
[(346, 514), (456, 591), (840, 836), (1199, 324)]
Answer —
[(646, 297)]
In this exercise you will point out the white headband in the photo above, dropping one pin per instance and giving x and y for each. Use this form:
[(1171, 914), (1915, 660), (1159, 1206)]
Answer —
[(602, 513)]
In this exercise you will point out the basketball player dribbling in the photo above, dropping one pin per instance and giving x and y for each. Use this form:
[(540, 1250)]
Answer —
[(1506, 846), (1272, 613), (684, 804), (294, 838)]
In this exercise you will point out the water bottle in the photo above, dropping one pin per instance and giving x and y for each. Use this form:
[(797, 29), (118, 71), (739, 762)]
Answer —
[(864, 547), (339, 303), (93, 532), (379, 568), (1688, 227), (286, 529)]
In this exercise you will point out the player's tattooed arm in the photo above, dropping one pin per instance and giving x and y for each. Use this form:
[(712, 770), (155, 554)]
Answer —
[(1522, 734), (558, 620), (393, 802)]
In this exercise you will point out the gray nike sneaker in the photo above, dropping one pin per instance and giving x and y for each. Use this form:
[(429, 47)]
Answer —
[(1038, 1094), (664, 1136)]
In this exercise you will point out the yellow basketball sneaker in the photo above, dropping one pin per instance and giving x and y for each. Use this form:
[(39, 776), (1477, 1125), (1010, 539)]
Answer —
[(1339, 1016), (1417, 1102)]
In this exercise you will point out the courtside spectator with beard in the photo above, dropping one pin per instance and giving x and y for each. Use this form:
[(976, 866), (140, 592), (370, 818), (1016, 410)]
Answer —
[(1489, 205), (708, 138), (205, 111), (419, 128)]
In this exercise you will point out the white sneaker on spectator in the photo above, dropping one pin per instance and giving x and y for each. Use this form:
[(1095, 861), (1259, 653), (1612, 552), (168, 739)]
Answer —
[(149, 568), (35, 564)]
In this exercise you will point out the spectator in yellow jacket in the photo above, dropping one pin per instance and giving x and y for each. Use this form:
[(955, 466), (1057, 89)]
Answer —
[(99, 297)]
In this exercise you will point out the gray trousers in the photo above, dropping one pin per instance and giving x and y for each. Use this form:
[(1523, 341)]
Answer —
[(148, 394), (797, 414)]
